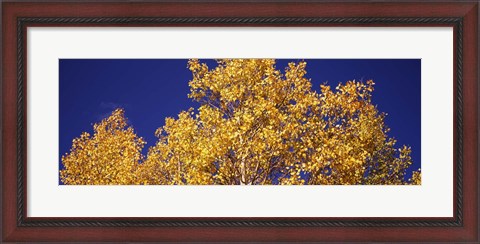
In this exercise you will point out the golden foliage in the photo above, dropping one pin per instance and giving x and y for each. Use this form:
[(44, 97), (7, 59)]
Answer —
[(416, 178), (255, 125), (110, 156)]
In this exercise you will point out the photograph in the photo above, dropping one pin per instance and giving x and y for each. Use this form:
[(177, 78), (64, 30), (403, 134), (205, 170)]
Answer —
[(243, 121), (239, 121)]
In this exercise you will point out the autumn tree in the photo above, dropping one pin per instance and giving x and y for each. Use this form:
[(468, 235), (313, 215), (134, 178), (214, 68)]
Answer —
[(257, 125), (110, 156), (254, 125)]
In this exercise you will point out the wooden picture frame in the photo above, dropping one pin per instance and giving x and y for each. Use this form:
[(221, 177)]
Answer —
[(18, 16)]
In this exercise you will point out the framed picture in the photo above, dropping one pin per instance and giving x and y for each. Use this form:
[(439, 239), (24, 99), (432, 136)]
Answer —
[(259, 121)]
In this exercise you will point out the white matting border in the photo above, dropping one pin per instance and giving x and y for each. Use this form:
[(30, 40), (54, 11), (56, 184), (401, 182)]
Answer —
[(434, 198)]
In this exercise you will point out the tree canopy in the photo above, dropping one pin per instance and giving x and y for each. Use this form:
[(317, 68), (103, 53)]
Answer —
[(255, 125), (110, 156)]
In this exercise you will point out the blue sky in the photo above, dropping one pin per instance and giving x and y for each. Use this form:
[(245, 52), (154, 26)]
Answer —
[(152, 89)]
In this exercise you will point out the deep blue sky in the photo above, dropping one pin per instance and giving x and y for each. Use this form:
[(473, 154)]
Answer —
[(152, 89)]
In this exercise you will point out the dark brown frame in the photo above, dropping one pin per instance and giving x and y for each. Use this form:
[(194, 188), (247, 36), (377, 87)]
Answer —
[(463, 16)]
